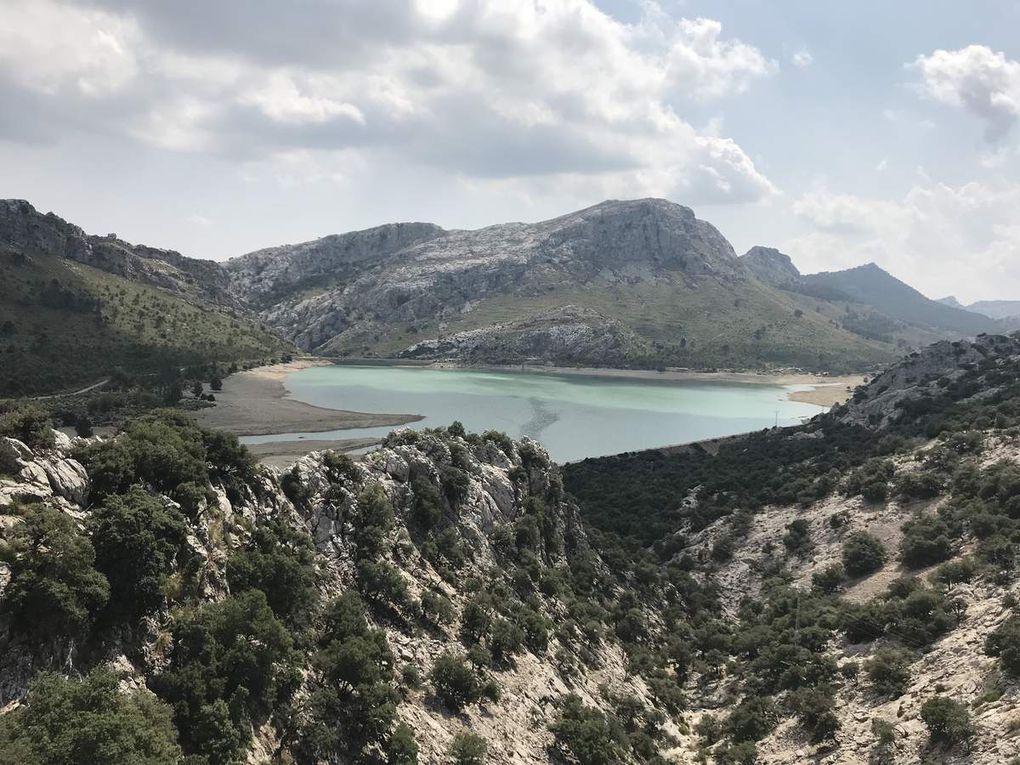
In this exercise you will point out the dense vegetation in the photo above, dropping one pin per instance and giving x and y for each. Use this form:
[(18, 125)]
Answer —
[(66, 325)]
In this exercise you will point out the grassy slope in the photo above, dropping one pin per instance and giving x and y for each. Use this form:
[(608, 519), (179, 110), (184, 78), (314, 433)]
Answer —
[(731, 324), (56, 337)]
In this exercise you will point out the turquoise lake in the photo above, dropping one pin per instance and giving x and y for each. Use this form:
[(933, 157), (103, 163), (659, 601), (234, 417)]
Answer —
[(574, 416)]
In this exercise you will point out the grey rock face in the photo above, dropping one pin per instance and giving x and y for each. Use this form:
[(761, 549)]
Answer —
[(327, 294), (771, 266)]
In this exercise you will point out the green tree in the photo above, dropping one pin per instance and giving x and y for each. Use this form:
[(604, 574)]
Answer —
[(585, 735), (468, 749), (73, 722), (889, 670), (54, 590), (948, 721), (1004, 642), (279, 560), (863, 554), (28, 423), (139, 540), (455, 683), (232, 662)]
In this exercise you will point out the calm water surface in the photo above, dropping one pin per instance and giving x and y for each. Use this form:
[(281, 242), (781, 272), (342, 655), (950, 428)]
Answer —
[(573, 416)]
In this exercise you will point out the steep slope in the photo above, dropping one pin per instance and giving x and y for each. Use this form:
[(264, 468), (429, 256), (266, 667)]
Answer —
[(865, 563), (636, 283), (872, 286), (771, 266), (74, 307)]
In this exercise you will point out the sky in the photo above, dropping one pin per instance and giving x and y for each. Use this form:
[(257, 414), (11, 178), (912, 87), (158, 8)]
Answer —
[(839, 132)]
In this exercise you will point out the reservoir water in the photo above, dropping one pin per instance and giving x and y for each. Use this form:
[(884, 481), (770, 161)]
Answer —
[(574, 416)]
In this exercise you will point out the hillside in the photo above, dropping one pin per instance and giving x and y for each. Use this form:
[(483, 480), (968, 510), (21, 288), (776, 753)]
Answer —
[(75, 307), (635, 283), (872, 286), (839, 592)]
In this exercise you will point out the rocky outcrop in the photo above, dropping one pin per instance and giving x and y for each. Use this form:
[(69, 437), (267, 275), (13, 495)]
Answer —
[(937, 373), (337, 294), (771, 266)]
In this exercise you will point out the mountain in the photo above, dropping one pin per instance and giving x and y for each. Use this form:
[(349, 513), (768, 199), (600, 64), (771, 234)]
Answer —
[(771, 266), (952, 302), (633, 283), (75, 307), (997, 309), (870, 285), (841, 591)]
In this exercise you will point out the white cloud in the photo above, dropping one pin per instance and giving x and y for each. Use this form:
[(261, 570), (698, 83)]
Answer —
[(491, 89), (199, 220), (941, 239), (58, 50), (976, 79), (802, 58)]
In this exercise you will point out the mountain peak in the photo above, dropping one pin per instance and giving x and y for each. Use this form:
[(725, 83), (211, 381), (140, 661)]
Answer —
[(770, 265)]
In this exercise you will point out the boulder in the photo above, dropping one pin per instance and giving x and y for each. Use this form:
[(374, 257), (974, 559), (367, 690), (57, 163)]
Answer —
[(68, 479)]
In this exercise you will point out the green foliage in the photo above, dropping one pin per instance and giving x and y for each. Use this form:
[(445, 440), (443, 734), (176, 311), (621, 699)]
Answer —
[(279, 560), (54, 590), (28, 423), (798, 537), (139, 541), (436, 608), (352, 707), (814, 709), (948, 721), (73, 722), (863, 554), (585, 735), (889, 670), (926, 541), (752, 719), (870, 480), (231, 664), (1004, 642), (828, 579), (468, 749), (455, 683)]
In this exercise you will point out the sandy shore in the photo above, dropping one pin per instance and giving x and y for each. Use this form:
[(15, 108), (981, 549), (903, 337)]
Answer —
[(254, 403)]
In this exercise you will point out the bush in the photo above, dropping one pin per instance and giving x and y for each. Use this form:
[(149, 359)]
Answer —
[(863, 554), (585, 735), (1004, 642), (138, 541), (752, 719), (889, 670), (468, 749), (232, 662), (53, 591), (71, 722), (925, 541), (798, 536), (814, 710), (828, 579), (436, 608), (948, 721), (28, 423), (455, 683), (279, 560)]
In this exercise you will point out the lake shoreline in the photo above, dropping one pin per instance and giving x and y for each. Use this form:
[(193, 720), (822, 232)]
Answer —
[(257, 402)]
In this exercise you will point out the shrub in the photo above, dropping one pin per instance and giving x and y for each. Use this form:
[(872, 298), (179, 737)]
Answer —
[(28, 423), (138, 541), (863, 554), (948, 721), (889, 670), (585, 735), (231, 663), (436, 608), (382, 584), (53, 590), (279, 560), (1004, 642), (455, 683), (814, 709), (829, 578), (69, 722), (752, 719), (468, 749), (798, 536), (925, 541)]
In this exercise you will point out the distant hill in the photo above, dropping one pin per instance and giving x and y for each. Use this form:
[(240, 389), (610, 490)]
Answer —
[(872, 286), (74, 307), (623, 283), (771, 266)]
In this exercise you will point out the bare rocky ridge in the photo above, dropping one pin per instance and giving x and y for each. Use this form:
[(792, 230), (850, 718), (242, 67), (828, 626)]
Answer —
[(771, 266)]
